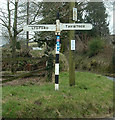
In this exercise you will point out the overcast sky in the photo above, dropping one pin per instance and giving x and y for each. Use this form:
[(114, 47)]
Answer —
[(109, 9)]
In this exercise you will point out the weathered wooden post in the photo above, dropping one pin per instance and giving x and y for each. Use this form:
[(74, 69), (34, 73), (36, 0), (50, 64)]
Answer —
[(71, 52)]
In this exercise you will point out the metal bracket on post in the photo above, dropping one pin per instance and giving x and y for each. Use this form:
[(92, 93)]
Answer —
[(58, 30)]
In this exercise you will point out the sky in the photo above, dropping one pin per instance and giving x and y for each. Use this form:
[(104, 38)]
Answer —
[(109, 9)]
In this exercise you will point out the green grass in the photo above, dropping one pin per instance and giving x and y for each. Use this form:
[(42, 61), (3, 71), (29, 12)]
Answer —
[(91, 97)]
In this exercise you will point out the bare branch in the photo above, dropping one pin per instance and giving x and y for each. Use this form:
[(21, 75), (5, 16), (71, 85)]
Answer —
[(35, 15), (4, 22), (19, 31), (4, 25)]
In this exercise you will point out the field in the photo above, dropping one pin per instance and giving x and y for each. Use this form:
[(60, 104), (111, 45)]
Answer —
[(91, 97)]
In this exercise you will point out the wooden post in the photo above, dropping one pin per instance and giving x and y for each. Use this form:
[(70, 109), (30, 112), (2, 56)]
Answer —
[(71, 53)]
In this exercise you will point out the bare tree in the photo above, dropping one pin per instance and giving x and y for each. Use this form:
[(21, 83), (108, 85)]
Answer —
[(14, 17)]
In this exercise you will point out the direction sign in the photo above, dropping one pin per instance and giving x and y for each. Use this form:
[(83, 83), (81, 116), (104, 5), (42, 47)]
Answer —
[(63, 26), (76, 26), (41, 27)]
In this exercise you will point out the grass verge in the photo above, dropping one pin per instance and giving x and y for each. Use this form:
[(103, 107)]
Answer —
[(91, 97)]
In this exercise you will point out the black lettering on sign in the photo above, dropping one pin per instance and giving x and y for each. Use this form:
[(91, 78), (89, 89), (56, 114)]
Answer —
[(75, 26), (38, 27), (83, 26)]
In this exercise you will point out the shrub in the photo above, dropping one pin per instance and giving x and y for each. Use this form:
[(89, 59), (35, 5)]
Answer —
[(63, 63), (95, 46), (94, 63), (49, 67), (84, 66), (18, 46)]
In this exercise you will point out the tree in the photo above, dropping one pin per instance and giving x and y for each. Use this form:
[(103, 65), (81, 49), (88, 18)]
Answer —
[(97, 16), (27, 34), (14, 20), (48, 13)]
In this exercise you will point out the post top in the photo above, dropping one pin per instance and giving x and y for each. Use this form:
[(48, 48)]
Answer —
[(57, 15)]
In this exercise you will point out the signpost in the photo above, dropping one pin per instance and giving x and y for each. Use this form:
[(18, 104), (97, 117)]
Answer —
[(58, 28), (57, 62)]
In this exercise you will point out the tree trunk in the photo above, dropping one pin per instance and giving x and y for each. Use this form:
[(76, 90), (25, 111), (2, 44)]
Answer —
[(9, 23), (14, 40), (27, 34)]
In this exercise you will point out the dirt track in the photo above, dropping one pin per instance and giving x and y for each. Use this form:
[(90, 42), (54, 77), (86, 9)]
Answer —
[(26, 81)]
